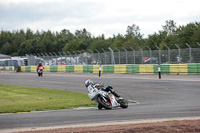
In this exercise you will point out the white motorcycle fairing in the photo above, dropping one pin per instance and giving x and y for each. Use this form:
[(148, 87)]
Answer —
[(94, 93), (113, 101)]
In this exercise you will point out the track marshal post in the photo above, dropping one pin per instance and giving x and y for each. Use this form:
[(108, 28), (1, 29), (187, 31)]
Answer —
[(159, 71), (159, 61), (100, 71)]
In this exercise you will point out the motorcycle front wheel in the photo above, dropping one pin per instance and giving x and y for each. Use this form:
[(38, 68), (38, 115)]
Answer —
[(103, 103), (123, 104)]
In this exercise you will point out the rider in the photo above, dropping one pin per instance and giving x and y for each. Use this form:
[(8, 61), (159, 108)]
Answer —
[(39, 65), (89, 85)]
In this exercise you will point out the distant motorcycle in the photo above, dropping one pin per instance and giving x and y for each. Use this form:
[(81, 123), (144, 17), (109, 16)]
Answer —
[(106, 99), (40, 71)]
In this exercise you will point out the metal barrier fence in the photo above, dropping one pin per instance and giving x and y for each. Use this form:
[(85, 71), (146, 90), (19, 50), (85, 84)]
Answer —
[(170, 56), (114, 56)]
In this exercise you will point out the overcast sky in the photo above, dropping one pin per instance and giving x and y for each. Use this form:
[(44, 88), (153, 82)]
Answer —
[(96, 16)]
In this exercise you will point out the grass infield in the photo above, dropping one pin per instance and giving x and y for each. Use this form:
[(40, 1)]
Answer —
[(15, 99)]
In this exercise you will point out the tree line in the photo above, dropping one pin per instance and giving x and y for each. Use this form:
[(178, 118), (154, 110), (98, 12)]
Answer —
[(20, 42)]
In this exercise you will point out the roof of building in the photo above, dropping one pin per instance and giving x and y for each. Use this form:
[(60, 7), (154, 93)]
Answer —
[(4, 56)]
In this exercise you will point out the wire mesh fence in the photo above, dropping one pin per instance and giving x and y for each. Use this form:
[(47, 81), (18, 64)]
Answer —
[(170, 56)]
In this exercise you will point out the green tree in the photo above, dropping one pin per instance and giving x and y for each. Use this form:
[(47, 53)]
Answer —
[(5, 37), (188, 34), (166, 36), (29, 34), (32, 46), (27, 42), (196, 36), (170, 27), (17, 39), (81, 41), (118, 41), (133, 37), (99, 43), (153, 40), (49, 41), (6, 48), (134, 30)]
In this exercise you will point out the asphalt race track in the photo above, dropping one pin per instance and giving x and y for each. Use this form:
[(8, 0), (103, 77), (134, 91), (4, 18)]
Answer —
[(169, 97)]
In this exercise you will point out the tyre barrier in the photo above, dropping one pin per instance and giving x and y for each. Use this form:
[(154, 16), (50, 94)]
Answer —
[(8, 68), (123, 68)]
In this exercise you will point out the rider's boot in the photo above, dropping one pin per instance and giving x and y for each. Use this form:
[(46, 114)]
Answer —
[(118, 98), (112, 91)]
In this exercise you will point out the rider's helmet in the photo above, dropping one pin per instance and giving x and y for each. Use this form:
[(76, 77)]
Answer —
[(40, 63), (88, 82)]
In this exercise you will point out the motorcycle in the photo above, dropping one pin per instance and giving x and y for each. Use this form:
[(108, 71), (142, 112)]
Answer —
[(106, 99), (40, 71)]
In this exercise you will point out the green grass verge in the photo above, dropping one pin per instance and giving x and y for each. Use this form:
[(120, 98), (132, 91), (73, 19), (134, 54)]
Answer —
[(26, 99)]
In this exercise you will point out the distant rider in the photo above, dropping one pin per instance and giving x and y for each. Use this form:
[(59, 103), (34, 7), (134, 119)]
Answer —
[(39, 65)]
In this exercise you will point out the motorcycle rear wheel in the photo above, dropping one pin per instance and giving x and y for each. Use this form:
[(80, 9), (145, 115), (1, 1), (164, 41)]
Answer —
[(103, 103)]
